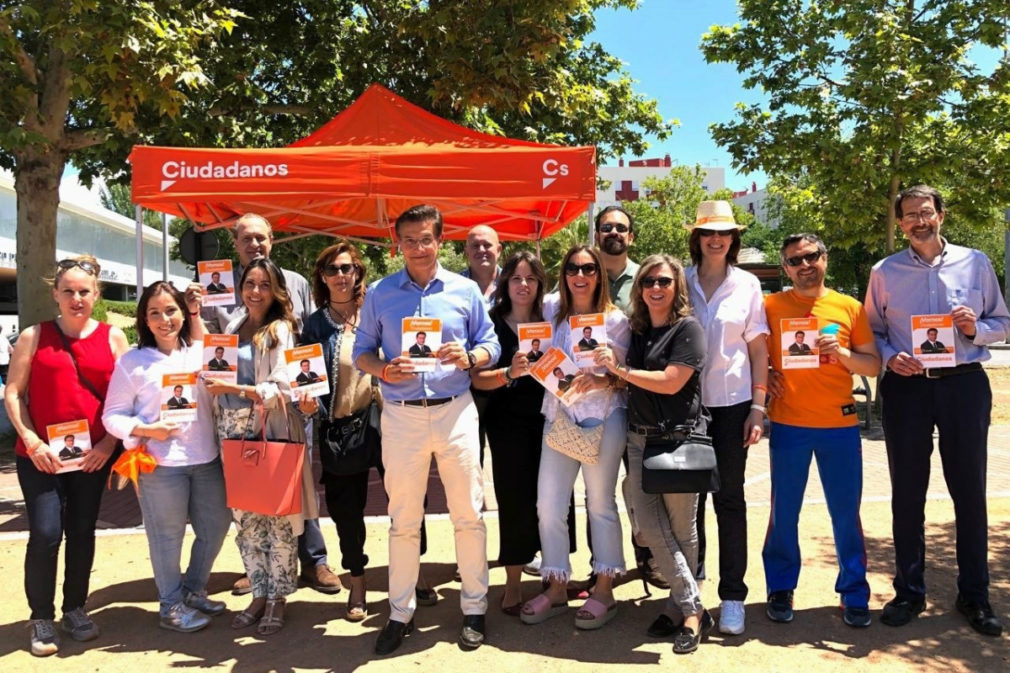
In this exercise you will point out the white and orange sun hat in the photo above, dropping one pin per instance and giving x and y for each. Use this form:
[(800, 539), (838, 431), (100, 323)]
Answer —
[(714, 215)]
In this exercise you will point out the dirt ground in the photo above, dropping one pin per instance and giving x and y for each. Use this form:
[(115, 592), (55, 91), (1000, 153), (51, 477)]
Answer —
[(317, 638)]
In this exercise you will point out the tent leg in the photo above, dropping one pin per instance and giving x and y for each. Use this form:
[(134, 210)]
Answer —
[(164, 247), (139, 214)]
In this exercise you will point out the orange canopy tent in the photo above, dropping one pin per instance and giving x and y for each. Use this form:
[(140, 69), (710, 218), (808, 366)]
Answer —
[(353, 176)]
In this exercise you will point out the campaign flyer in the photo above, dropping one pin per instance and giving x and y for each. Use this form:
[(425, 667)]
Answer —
[(799, 343), (535, 339), (933, 341), (555, 371), (220, 357), (70, 441), (588, 331), (217, 279), (178, 397), (307, 370), (422, 337)]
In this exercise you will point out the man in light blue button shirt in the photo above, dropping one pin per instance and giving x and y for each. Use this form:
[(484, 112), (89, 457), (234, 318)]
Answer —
[(934, 277), (429, 415)]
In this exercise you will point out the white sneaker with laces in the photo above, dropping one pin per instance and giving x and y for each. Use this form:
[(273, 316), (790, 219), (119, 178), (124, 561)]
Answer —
[(731, 618), (533, 567)]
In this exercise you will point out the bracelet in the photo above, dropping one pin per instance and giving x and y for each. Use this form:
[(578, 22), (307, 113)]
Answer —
[(760, 386), (761, 408), (501, 376), (385, 368), (505, 373)]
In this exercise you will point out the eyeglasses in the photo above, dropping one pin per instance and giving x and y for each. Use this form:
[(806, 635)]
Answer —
[(607, 227), (586, 269), (809, 258), (410, 243), (651, 281), (86, 267), (705, 233), (331, 270), (924, 215)]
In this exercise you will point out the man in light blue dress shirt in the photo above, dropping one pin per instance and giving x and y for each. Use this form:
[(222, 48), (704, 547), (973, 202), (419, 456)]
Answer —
[(429, 415), (934, 277)]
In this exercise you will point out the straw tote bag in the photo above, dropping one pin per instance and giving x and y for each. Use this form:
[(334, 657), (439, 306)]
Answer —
[(568, 439)]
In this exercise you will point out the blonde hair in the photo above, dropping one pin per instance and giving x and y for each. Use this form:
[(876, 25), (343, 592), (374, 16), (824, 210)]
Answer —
[(74, 263)]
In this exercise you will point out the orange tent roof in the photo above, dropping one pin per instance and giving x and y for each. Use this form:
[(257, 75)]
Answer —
[(355, 174)]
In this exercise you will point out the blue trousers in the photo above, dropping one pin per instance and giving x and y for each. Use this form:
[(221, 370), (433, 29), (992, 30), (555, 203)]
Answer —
[(839, 462)]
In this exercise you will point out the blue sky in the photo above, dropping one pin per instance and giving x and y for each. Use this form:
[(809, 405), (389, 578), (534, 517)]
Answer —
[(658, 43)]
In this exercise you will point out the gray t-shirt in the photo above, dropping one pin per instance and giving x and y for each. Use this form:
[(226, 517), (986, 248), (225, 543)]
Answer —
[(217, 317)]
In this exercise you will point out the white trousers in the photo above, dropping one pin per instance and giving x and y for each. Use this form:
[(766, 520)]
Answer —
[(411, 436)]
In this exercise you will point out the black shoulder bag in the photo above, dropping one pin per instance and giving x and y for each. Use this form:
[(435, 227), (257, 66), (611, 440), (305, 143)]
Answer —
[(352, 444), (681, 459)]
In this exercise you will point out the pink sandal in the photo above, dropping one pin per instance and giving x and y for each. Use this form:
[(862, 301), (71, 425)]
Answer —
[(540, 609), (601, 614)]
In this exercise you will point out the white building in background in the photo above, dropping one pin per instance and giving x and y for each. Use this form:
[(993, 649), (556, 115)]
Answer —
[(626, 178), (754, 201), (84, 226)]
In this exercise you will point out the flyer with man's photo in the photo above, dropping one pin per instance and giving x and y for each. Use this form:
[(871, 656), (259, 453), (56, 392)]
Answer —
[(220, 357), (535, 339), (555, 371), (307, 370), (217, 280), (933, 342), (422, 337), (588, 332), (799, 343), (178, 397), (71, 442)]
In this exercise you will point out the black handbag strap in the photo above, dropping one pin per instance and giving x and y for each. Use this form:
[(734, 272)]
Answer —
[(84, 381)]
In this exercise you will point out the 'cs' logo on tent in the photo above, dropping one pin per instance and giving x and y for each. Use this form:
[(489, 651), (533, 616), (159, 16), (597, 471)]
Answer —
[(552, 169)]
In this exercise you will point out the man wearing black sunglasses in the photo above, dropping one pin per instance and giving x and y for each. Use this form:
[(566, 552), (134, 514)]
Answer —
[(254, 238), (813, 415), (934, 277)]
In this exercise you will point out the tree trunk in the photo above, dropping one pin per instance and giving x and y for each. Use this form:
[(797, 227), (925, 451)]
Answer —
[(892, 193), (37, 184)]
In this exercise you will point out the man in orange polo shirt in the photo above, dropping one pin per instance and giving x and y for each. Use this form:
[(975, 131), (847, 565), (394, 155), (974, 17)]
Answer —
[(813, 414)]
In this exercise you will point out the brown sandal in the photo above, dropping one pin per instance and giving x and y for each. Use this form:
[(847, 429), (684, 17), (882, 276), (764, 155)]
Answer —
[(246, 619), (273, 617), (358, 610)]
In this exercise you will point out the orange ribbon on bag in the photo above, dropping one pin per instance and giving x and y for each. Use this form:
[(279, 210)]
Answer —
[(131, 464)]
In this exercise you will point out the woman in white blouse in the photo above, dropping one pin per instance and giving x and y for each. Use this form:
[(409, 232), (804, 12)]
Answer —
[(727, 301), (582, 291), (268, 544), (188, 482)]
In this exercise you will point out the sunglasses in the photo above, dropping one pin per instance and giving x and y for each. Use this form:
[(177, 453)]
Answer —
[(586, 269), (652, 281), (619, 228), (86, 267), (331, 270), (705, 233), (809, 258)]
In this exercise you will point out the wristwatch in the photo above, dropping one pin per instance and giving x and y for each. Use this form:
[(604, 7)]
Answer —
[(472, 359), (241, 392)]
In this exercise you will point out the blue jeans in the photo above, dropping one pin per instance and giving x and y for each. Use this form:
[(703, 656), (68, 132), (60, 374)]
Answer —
[(58, 505), (168, 496), (840, 465), (555, 484)]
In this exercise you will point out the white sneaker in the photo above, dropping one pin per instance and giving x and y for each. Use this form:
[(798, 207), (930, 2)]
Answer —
[(731, 618), (533, 567)]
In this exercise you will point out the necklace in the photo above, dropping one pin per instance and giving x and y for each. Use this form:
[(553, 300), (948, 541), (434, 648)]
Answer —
[(341, 319)]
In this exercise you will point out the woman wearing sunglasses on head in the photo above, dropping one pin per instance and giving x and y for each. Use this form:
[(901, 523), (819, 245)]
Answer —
[(188, 483), (727, 301), (663, 374), (59, 373), (582, 291)]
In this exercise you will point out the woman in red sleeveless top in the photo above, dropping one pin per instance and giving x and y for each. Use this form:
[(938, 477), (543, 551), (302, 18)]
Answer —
[(62, 487)]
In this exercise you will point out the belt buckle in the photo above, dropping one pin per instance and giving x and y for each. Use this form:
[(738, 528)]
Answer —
[(928, 373)]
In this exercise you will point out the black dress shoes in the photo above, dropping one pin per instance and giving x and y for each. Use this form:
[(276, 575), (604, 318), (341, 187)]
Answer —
[(664, 627), (471, 636), (392, 636), (898, 611), (980, 616)]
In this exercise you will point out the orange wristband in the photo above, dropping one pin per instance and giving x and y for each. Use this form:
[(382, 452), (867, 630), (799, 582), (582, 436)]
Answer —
[(382, 376)]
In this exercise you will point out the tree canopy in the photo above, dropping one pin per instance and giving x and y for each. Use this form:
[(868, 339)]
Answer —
[(867, 96), (82, 81)]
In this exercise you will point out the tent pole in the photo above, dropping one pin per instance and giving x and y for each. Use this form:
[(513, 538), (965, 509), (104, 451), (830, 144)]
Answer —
[(139, 214), (538, 248), (589, 216), (164, 247)]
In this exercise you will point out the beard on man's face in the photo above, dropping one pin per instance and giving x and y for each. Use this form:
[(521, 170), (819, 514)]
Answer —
[(614, 245)]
